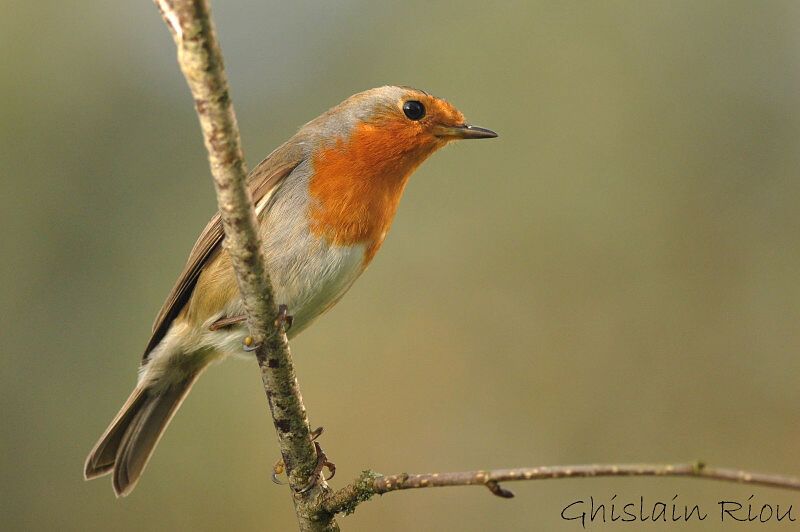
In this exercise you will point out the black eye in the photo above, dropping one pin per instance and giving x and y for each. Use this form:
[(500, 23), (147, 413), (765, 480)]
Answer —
[(413, 109)]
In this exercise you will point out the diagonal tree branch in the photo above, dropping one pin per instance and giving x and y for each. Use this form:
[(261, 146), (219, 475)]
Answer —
[(200, 59), (368, 484)]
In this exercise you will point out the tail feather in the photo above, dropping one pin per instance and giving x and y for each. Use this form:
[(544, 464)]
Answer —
[(127, 444), (101, 460)]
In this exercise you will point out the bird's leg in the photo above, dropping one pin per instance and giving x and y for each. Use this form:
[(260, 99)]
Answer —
[(322, 462), (283, 321), (226, 322), (280, 466)]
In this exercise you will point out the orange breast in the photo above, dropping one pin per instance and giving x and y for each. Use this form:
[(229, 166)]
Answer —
[(357, 184)]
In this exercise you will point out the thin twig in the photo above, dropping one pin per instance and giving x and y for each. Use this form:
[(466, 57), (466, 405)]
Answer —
[(200, 60), (369, 483)]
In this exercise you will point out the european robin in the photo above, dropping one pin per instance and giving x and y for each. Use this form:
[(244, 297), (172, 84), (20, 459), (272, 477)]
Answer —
[(325, 200)]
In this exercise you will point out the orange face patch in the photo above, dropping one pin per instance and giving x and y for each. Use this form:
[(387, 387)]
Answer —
[(357, 184)]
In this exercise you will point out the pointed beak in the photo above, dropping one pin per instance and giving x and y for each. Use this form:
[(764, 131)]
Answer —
[(466, 131)]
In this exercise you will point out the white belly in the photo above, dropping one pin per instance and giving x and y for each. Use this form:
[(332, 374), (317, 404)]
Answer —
[(308, 274), (319, 283)]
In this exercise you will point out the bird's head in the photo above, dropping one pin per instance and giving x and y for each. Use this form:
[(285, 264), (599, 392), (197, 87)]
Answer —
[(393, 125), (363, 152), (417, 116)]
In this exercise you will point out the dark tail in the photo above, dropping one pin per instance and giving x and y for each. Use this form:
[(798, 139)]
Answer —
[(126, 445)]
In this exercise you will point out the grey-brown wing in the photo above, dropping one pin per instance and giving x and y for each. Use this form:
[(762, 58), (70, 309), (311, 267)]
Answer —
[(263, 179)]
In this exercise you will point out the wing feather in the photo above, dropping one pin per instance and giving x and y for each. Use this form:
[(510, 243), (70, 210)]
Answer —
[(262, 181)]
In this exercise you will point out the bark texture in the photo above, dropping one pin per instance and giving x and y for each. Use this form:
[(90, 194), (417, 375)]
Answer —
[(200, 59)]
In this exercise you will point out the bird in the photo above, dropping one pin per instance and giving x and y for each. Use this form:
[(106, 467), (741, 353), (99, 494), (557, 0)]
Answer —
[(324, 202)]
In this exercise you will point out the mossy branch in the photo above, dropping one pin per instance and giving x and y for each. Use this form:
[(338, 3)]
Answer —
[(200, 59), (369, 483)]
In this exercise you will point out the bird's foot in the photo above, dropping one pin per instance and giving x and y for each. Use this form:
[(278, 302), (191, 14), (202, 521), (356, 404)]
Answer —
[(283, 321), (322, 463), (316, 433), (250, 345), (280, 466), (278, 469)]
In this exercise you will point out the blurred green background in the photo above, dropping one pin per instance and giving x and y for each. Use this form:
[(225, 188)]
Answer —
[(614, 279)]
